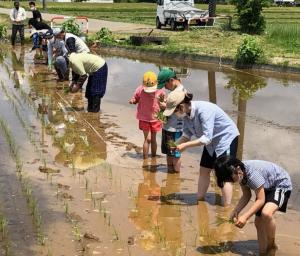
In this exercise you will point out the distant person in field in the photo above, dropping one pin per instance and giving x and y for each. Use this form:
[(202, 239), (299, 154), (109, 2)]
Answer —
[(93, 67), (35, 12), (272, 186), (17, 16), (147, 96)]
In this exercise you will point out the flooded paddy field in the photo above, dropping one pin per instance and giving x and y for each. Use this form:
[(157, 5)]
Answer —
[(74, 183)]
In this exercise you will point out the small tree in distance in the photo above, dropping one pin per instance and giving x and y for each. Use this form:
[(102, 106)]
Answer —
[(250, 16)]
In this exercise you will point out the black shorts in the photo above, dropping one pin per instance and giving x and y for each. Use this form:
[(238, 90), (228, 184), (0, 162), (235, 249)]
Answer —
[(277, 196), (208, 161), (168, 136)]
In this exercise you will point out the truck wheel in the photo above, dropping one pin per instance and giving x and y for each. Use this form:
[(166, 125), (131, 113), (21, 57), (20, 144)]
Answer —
[(173, 24), (158, 24)]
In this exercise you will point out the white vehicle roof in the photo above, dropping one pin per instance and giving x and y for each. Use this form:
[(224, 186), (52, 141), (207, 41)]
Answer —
[(183, 7)]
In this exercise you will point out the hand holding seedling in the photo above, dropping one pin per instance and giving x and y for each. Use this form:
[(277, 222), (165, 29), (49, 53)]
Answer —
[(240, 222), (181, 147), (162, 102), (160, 116)]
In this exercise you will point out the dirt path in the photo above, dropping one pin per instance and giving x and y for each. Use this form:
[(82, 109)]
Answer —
[(95, 25)]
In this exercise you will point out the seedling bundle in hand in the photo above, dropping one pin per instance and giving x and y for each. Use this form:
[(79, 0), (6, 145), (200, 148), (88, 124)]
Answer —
[(160, 114)]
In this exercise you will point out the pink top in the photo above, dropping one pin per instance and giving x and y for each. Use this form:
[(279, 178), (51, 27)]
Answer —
[(147, 104)]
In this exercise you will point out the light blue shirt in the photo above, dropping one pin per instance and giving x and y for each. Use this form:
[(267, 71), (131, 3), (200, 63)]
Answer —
[(211, 125)]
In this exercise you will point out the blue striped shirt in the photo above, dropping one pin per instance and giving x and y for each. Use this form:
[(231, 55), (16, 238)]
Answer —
[(269, 175), (211, 125)]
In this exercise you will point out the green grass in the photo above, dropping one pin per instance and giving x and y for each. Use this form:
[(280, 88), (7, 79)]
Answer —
[(285, 36)]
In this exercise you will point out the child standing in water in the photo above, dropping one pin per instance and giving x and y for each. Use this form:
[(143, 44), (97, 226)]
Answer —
[(147, 96)]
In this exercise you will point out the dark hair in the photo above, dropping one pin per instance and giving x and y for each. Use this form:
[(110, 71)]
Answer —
[(31, 3), (187, 98), (224, 168)]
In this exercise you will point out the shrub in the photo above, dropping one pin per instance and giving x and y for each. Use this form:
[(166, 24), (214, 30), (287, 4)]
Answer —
[(3, 30), (71, 26), (104, 36), (248, 53), (250, 16)]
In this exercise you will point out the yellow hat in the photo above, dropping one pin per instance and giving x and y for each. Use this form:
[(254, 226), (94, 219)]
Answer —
[(150, 82)]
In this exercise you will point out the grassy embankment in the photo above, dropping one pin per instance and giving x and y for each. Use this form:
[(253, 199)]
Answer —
[(280, 42)]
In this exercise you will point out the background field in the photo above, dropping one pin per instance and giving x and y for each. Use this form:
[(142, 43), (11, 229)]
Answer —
[(281, 40)]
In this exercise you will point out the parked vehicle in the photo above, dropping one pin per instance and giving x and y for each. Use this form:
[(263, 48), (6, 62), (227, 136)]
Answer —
[(285, 2), (179, 13)]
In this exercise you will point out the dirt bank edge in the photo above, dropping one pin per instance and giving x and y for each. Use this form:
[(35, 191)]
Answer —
[(188, 57)]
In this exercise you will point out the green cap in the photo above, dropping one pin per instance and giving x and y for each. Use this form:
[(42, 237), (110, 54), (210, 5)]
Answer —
[(164, 75)]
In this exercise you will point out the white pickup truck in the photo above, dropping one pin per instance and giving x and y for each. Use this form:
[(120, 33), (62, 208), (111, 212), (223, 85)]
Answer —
[(179, 13)]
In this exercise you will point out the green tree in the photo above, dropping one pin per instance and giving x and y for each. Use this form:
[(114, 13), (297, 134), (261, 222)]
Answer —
[(250, 16)]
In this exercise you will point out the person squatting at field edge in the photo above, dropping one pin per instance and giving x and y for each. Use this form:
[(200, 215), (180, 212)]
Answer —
[(212, 128), (147, 96)]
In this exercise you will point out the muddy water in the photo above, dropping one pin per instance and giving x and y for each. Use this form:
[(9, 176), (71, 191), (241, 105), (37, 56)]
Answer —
[(100, 198)]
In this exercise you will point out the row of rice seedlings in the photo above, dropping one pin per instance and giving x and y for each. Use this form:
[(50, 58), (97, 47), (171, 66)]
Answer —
[(4, 235), (34, 209), (161, 236), (28, 129), (14, 152), (31, 201)]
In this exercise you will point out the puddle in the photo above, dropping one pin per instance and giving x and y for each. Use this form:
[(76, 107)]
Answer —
[(110, 200)]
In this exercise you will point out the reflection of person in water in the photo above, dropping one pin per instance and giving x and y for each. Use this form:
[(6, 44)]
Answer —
[(213, 234), (18, 66), (169, 215), (145, 214)]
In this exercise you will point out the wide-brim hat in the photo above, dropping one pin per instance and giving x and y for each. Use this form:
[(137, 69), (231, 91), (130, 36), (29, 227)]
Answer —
[(173, 100)]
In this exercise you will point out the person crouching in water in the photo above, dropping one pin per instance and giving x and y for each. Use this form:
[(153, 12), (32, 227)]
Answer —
[(272, 186), (38, 29), (95, 68), (147, 96)]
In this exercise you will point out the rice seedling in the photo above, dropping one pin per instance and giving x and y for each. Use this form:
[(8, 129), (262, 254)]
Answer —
[(3, 227), (66, 207), (86, 183), (115, 234), (77, 233)]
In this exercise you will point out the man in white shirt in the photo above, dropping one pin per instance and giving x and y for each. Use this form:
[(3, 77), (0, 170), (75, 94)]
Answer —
[(17, 16)]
